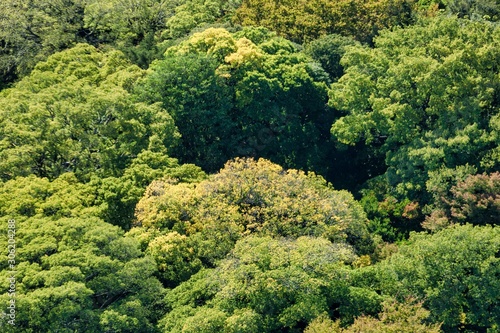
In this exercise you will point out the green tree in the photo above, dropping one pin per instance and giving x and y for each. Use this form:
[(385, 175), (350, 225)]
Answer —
[(475, 200), (268, 285), (425, 98), (231, 97), (454, 272), (395, 317), (199, 102), (32, 30), (475, 9), (328, 50), (75, 113), (79, 274), (142, 29)]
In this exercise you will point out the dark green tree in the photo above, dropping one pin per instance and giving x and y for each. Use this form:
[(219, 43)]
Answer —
[(32, 30), (231, 97)]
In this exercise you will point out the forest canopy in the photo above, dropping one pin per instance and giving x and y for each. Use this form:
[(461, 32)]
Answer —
[(249, 166)]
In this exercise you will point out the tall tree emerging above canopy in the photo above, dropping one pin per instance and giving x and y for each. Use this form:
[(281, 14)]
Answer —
[(427, 97), (75, 113), (243, 94)]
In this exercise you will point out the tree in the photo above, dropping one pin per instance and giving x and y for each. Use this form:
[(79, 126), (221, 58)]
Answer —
[(32, 30), (119, 195), (32, 197), (328, 50), (475, 9), (75, 113), (199, 102), (304, 21), (267, 285), (142, 29), (430, 108), (231, 97), (79, 274), (395, 317), (183, 225), (475, 200), (454, 272)]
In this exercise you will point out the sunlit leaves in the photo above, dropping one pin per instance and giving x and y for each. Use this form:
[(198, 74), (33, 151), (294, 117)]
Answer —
[(72, 269), (424, 97), (307, 20), (74, 113), (455, 272), (266, 285)]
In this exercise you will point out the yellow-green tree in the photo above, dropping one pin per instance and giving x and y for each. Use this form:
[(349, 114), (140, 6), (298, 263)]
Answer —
[(75, 113), (305, 20), (246, 197)]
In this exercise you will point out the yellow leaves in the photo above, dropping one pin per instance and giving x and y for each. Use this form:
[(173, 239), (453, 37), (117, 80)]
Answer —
[(250, 196), (164, 204), (247, 52), (216, 42)]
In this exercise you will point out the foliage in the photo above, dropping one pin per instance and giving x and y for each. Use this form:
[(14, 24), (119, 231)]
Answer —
[(389, 217), (189, 226), (231, 97), (119, 195), (475, 9), (114, 234), (328, 50), (253, 197), (141, 29), (32, 30), (454, 272), (193, 13), (74, 113), (425, 97), (111, 199), (265, 285), (32, 197), (79, 274), (307, 20), (395, 317), (475, 200)]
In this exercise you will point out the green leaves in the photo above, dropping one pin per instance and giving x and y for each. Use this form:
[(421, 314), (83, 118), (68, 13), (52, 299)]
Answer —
[(303, 21), (253, 197), (72, 269), (265, 284), (30, 31), (454, 271), (74, 113), (231, 97), (423, 97)]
